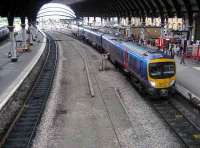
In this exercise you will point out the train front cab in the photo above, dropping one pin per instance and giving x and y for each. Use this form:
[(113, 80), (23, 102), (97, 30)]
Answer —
[(161, 77)]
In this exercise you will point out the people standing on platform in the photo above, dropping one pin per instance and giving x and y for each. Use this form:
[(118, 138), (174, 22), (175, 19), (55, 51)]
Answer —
[(181, 50), (177, 52), (171, 51), (182, 53)]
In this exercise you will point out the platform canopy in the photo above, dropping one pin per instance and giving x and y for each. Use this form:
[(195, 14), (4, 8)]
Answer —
[(107, 8)]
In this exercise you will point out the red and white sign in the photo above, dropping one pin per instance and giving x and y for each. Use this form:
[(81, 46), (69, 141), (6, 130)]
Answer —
[(160, 42)]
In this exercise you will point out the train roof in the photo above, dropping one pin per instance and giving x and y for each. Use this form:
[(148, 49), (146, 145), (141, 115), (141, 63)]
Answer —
[(108, 34), (109, 37), (92, 31), (144, 51)]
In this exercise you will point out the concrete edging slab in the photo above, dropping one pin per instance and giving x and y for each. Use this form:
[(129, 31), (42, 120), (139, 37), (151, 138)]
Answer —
[(191, 97), (8, 93)]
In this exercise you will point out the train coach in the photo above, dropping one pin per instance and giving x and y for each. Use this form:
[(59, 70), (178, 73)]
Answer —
[(85, 34), (94, 38), (4, 33), (153, 71), (108, 42)]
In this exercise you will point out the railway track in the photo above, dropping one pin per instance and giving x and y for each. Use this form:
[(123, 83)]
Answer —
[(182, 127), (187, 132), (84, 57), (185, 129), (23, 129)]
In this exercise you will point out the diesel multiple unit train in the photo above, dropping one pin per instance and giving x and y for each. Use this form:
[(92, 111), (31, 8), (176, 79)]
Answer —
[(152, 69), (4, 33)]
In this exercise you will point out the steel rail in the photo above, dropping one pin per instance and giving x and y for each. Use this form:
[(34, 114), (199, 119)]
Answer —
[(185, 130), (23, 129)]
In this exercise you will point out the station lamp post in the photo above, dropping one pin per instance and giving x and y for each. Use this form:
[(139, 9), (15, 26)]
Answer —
[(30, 28), (23, 25), (12, 38), (142, 30)]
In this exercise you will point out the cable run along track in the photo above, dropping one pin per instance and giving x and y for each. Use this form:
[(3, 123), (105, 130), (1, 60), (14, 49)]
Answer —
[(23, 129)]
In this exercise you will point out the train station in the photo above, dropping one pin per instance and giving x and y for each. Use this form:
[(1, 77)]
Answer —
[(100, 74)]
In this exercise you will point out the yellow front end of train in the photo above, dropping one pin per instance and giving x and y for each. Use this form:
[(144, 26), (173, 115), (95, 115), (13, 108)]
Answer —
[(161, 77)]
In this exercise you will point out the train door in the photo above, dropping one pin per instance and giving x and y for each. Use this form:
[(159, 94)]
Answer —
[(141, 69), (101, 42), (126, 59)]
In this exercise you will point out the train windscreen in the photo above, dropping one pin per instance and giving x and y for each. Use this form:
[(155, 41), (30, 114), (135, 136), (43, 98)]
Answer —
[(162, 70)]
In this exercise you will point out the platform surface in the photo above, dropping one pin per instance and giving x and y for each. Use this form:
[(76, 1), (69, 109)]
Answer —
[(11, 74), (188, 75)]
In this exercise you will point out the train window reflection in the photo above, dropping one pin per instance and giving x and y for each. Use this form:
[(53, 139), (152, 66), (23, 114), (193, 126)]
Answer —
[(162, 70)]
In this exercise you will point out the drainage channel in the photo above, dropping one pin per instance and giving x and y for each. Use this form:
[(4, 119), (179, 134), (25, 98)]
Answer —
[(182, 127), (23, 128)]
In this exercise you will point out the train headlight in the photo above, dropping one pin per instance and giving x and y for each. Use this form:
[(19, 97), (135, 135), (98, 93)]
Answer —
[(172, 82), (153, 84)]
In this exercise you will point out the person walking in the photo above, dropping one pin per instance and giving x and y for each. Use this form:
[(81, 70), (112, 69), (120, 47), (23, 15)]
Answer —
[(171, 51), (182, 52), (177, 52)]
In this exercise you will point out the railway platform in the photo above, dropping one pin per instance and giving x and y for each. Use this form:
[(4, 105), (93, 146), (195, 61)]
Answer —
[(188, 79), (16, 77), (11, 74)]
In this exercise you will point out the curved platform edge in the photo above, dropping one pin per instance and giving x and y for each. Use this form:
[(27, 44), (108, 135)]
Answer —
[(190, 96), (20, 79)]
